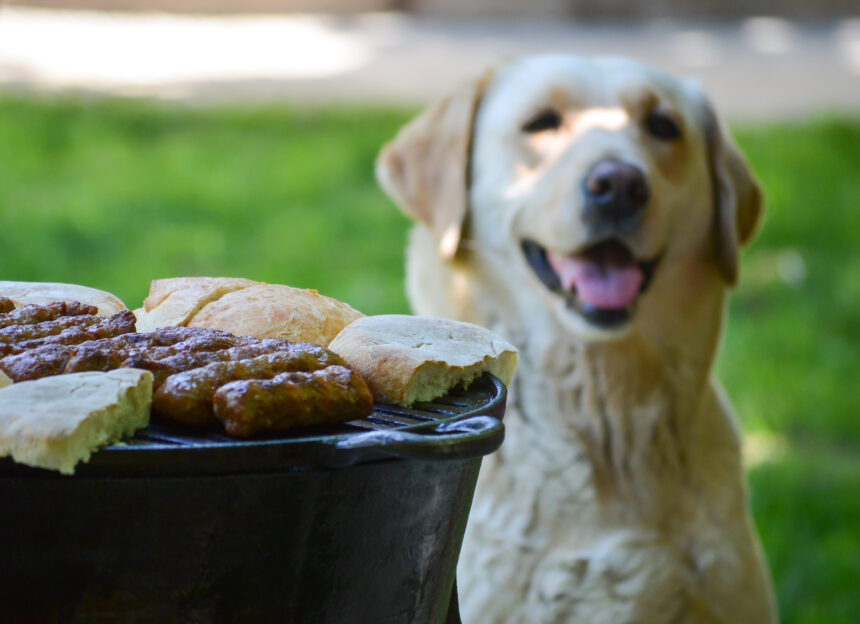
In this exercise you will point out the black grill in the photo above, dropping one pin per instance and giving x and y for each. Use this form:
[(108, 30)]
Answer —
[(338, 525), (464, 423)]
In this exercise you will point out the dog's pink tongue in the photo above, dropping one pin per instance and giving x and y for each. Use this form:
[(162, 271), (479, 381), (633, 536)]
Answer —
[(605, 277)]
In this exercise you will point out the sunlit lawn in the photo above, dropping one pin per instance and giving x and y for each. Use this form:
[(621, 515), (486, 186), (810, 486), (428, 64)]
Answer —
[(114, 194)]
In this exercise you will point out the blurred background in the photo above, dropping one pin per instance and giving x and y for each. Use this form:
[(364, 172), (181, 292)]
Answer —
[(142, 139)]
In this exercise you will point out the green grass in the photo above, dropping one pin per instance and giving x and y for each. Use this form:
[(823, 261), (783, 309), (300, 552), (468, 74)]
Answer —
[(113, 194), (791, 359)]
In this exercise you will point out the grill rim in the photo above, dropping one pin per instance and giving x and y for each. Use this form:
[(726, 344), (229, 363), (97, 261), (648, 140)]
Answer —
[(442, 433)]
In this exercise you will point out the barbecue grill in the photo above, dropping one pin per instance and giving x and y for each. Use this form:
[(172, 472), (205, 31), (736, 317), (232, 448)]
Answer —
[(360, 523)]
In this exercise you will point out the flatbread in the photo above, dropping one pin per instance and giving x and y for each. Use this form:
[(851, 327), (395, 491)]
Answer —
[(409, 359), (43, 293), (56, 422)]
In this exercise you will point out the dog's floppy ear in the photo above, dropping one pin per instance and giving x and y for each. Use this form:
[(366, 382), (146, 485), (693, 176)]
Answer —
[(738, 201), (426, 168)]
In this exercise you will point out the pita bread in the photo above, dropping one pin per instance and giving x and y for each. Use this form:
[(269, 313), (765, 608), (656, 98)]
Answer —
[(409, 359), (43, 293), (56, 422)]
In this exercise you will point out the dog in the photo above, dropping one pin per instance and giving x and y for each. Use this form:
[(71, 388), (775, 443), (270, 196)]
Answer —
[(592, 212)]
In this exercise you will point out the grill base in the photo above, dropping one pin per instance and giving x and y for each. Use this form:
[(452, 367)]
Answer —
[(357, 524), (374, 543)]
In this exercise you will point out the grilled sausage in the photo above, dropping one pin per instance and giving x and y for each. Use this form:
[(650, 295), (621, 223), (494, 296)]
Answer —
[(165, 337), (153, 351), (6, 305), (187, 397), (105, 355), (323, 397), (120, 323), (30, 314), (15, 334), (163, 361), (44, 361)]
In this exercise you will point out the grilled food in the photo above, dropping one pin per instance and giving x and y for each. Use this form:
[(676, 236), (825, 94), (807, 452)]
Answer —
[(245, 308), (326, 396), (187, 397), (407, 359), (32, 313), (187, 365), (163, 366), (71, 331), (114, 352), (45, 361), (43, 293), (17, 333), (175, 301), (59, 421)]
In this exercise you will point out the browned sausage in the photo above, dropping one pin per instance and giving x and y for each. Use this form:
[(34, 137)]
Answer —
[(187, 397), (323, 397), (6, 305), (120, 323), (152, 351), (30, 314), (15, 334), (108, 354), (163, 361), (165, 337), (36, 363)]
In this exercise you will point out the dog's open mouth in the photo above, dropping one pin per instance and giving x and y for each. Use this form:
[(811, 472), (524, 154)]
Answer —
[(602, 282)]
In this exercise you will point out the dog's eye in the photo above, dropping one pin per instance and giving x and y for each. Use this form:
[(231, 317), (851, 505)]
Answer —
[(546, 119), (662, 126)]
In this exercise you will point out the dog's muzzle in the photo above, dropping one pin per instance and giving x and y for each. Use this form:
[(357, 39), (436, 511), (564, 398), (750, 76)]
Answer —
[(603, 280)]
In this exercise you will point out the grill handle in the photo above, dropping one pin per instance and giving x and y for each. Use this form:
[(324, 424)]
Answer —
[(470, 437)]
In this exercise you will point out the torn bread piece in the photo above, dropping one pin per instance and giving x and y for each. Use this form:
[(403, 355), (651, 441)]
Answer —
[(4, 380), (175, 301), (56, 422), (43, 293), (409, 359)]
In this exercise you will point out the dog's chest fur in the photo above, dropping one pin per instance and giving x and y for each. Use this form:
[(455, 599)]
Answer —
[(585, 513)]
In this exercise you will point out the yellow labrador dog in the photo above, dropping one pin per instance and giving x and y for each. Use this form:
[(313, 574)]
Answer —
[(592, 211)]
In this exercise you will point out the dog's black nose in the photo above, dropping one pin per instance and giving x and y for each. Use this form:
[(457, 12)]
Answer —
[(615, 191)]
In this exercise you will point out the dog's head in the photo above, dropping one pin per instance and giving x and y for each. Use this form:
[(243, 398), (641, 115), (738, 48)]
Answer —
[(595, 185)]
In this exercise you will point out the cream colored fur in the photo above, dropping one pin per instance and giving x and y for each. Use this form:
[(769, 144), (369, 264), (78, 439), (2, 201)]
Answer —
[(618, 495)]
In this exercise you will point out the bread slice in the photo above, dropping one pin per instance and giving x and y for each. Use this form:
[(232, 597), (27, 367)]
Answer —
[(274, 311), (56, 422), (42, 293), (4, 380), (409, 359), (176, 300)]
